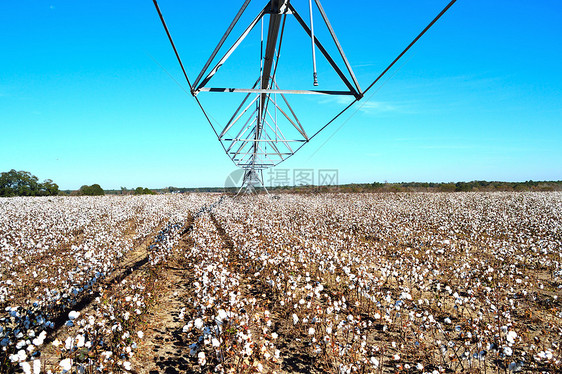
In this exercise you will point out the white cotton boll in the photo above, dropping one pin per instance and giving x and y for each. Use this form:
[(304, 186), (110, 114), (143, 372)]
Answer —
[(66, 364), (40, 339), (222, 315), (396, 357), (140, 334), (127, 365), (36, 366), (56, 343), (511, 336), (199, 323), (126, 316), (295, 319), (107, 354), (447, 320), (375, 362), (215, 342), (507, 351), (544, 355), (80, 341), (22, 356), (201, 358), (328, 330), (20, 344), (26, 367), (73, 315), (419, 366), (274, 335), (311, 331), (68, 343)]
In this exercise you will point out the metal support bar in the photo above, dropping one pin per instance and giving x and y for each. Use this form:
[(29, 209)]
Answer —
[(173, 45), (233, 122), (274, 144), (289, 119), (314, 74), (326, 54), (265, 140), (276, 7), (292, 112), (221, 43), (338, 45), (229, 52), (270, 91)]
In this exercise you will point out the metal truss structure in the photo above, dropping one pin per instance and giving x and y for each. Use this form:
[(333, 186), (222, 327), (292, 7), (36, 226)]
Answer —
[(255, 136)]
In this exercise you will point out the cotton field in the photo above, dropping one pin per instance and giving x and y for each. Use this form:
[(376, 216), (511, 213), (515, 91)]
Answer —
[(339, 283)]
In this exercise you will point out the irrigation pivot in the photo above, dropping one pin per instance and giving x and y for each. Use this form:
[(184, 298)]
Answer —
[(264, 130)]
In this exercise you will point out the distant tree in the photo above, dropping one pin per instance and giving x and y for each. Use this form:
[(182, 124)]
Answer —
[(448, 187), (124, 190), (143, 191), (49, 188), (23, 183), (93, 190)]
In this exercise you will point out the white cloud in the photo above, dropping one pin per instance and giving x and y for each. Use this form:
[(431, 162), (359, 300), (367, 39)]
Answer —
[(365, 105), (378, 107)]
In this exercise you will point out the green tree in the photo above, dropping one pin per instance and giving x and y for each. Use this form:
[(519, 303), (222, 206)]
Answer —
[(143, 191), (93, 190), (23, 183), (49, 188)]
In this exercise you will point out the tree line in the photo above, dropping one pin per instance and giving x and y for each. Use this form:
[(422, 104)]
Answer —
[(23, 183)]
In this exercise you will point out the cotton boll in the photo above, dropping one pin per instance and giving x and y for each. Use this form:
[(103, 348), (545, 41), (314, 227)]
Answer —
[(80, 341), (69, 343), (66, 365), (511, 336), (36, 366), (201, 358), (21, 355)]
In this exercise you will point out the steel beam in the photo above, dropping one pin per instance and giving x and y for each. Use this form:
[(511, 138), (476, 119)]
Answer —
[(335, 66), (277, 91)]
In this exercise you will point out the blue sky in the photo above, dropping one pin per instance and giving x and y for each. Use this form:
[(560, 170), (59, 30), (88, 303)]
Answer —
[(90, 92)]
